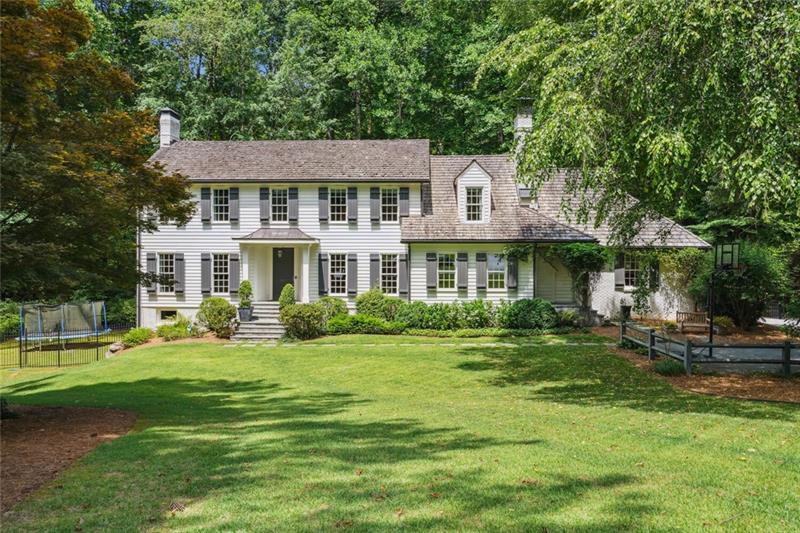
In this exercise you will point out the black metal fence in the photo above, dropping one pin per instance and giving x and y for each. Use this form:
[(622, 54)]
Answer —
[(760, 357), (63, 348)]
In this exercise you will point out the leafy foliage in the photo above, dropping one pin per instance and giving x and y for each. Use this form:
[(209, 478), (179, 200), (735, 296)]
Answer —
[(533, 313), (9, 319), (743, 294), (287, 296), (121, 311), (303, 321), (245, 294), (331, 307), (74, 161), (364, 324), (375, 303), (137, 336), (485, 332), (217, 314), (585, 262), (669, 367), (691, 107), (180, 328)]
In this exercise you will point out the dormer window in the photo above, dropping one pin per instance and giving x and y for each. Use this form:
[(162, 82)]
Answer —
[(474, 204)]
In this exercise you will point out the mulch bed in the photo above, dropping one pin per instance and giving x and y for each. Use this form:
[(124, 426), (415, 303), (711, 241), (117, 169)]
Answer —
[(40, 442), (741, 386)]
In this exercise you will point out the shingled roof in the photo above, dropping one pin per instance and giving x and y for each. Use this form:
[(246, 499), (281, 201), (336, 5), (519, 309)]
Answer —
[(661, 232), (509, 221), (281, 161)]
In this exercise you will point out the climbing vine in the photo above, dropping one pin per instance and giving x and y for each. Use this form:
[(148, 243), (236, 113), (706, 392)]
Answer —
[(585, 262)]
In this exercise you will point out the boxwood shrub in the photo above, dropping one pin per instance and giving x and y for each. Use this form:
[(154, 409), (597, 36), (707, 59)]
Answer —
[(303, 321), (485, 332), (363, 324), (137, 336), (375, 303), (332, 306), (527, 314), (217, 314)]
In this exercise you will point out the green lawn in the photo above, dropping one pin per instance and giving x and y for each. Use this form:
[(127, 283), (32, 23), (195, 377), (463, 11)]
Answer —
[(308, 437)]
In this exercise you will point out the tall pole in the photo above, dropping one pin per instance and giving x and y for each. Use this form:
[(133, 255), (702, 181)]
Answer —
[(711, 315)]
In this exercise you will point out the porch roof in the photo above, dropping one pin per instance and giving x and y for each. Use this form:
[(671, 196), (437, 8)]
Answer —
[(276, 235)]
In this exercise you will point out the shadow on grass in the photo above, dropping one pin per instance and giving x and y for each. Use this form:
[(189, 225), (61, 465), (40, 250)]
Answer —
[(595, 376), (260, 446)]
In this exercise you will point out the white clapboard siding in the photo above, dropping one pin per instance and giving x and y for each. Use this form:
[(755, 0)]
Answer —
[(196, 238), (553, 280), (419, 290), (474, 176)]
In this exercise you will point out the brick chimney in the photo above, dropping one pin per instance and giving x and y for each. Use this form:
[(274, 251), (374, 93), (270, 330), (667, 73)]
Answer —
[(169, 126)]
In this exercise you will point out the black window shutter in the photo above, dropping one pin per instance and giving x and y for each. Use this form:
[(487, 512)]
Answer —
[(180, 274), (205, 273), (151, 269), (402, 276), (352, 274), (375, 204), (430, 270), (233, 204), (323, 273), (263, 204), (374, 270), (233, 273), (205, 204), (481, 271), (293, 204), (404, 202), (352, 204), (511, 273), (323, 204), (619, 272), (461, 270)]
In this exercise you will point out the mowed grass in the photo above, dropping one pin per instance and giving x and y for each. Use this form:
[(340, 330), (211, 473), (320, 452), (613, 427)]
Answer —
[(364, 438)]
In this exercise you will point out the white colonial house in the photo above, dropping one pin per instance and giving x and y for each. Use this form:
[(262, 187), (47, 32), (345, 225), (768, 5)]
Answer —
[(340, 217)]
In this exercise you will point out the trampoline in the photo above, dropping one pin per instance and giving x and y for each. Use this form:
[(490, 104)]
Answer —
[(65, 321)]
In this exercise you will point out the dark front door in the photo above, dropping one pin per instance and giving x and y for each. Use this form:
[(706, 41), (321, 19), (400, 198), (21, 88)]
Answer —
[(282, 269)]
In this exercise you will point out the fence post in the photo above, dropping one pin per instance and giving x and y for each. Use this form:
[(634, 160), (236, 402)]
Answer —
[(58, 351), (621, 329), (97, 344), (787, 356), (20, 350), (687, 357), (651, 341)]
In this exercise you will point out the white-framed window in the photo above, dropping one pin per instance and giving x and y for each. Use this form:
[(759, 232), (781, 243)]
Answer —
[(632, 269), (221, 205), (219, 273), (496, 267), (168, 314), (389, 273), (390, 205), (446, 271), (279, 199), (166, 272), (474, 204), (338, 273), (338, 203)]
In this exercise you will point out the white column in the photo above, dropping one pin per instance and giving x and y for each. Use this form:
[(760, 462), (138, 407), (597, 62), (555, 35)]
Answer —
[(245, 262), (305, 294)]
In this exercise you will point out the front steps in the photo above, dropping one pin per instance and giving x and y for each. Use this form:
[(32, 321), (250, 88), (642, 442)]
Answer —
[(265, 325)]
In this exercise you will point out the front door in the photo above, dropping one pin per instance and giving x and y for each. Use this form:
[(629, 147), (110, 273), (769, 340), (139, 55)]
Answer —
[(282, 269)]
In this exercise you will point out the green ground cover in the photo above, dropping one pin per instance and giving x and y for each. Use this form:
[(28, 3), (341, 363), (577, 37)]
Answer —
[(462, 437)]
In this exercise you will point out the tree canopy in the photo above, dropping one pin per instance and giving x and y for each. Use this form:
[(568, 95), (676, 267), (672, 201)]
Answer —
[(73, 159), (690, 106)]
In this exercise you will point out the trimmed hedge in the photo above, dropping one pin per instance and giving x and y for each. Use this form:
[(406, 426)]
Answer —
[(361, 323), (527, 314), (303, 321), (217, 314), (485, 332), (375, 303), (332, 306)]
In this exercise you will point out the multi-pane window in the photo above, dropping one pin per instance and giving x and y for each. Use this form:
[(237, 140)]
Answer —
[(474, 204), (166, 273), (632, 269), (389, 273), (338, 202), (338, 273), (221, 205), (447, 271), (220, 274), (497, 272), (280, 205), (389, 205)]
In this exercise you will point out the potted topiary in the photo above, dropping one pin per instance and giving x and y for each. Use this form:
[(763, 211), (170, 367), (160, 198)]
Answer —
[(245, 302)]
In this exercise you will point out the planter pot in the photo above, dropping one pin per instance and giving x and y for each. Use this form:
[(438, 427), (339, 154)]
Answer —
[(245, 314), (626, 311)]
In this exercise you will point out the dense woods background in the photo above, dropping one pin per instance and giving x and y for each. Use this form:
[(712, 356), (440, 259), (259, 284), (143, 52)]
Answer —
[(692, 106)]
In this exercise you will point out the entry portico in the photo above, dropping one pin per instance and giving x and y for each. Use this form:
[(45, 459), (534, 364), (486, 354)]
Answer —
[(274, 257)]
